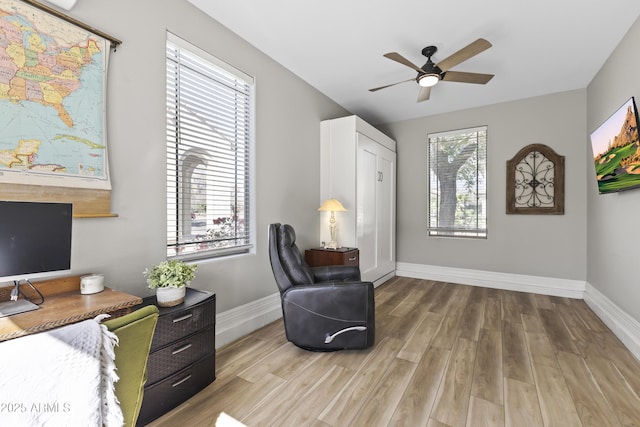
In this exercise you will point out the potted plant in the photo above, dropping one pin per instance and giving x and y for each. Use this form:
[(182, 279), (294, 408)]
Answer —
[(170, 279)]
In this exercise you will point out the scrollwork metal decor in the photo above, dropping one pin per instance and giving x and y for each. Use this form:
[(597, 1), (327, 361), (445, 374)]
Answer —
[(535, 181)]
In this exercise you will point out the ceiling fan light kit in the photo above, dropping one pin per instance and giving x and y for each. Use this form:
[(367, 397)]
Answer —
[(430, 73), (428, 80)]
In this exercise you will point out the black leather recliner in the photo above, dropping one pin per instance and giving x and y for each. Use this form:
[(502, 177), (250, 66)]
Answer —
[(324, 308)]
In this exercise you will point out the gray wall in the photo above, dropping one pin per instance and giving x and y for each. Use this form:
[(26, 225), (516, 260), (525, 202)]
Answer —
[(613, 232), (539, 245), (287, 136)]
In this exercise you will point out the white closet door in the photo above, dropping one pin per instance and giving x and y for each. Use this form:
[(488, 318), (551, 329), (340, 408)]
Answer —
[(386, 209), (366, 216)]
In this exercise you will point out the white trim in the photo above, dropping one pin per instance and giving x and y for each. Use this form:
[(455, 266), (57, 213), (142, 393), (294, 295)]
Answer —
[(491, 279), (626, 328), (240, 321)]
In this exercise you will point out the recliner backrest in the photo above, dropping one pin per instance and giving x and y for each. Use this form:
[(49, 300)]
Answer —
[(291, 258), (289, 268)]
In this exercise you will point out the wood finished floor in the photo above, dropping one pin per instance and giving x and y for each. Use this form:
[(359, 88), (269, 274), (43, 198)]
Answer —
[(445, 355)]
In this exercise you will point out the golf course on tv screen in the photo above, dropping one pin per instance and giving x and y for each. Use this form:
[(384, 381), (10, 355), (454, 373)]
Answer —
[(616, 150)]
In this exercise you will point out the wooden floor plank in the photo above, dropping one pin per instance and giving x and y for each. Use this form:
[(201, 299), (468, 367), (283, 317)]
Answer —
[(417, 400), (379, 409), (592, 407), (542, 301), (353, 395), (557, 331), (442, 298), (472, 320), (617, 391), (510, 309), (492, 318), (285, 362), (487, 374), (589, 318), (556, 403), (310, 404), (452, 400), (526, 303), (287, 395), (483, 413), (419, 341), (517, 364), (521, 406), (540, 350), (532, 323), (448, 330)]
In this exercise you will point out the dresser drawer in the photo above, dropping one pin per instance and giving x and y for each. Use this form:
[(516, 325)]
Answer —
[(165, 395), (352, 258), (180, 323), (177, 355)]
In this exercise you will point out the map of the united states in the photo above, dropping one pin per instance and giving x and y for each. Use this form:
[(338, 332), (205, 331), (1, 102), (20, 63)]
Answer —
[(51, 95)]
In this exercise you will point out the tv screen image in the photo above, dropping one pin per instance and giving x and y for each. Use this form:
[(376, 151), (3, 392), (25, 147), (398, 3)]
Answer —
[(616, 150)]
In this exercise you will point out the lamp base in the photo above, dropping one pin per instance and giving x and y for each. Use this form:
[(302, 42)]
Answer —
[(332, 245)]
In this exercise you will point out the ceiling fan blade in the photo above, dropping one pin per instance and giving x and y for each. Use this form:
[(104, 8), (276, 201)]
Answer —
[(462, 77), (424, 94), (395, 56), (386, 86), (463, 54)]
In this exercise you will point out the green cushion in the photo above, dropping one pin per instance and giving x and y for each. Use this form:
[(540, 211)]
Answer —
[(135, 332)]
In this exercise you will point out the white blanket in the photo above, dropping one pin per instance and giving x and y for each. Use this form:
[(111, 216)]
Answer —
[(62, 377)]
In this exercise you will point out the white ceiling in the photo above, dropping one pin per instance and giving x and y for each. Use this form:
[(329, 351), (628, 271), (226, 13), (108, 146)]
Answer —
[(539, 46)]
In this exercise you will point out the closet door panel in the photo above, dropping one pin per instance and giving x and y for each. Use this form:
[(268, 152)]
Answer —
[(386, 202), (366, 215)]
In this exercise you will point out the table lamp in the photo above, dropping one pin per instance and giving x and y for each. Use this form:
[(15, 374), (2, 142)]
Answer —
[(332, 205)]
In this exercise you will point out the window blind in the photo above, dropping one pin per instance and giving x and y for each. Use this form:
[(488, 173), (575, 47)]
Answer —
[(209, 154), (457, 199)]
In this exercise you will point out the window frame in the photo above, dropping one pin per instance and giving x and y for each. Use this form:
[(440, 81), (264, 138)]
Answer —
[(477, 232), (185, 158)]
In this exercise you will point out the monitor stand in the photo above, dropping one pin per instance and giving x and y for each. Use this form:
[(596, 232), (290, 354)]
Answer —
[(8, 308)]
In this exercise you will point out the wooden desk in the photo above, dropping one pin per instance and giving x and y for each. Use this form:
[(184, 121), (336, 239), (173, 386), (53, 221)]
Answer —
[(64, 304)]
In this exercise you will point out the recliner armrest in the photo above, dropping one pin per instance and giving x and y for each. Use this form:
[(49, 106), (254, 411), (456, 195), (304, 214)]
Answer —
[(347, 301), (336, 273), (326, 316)]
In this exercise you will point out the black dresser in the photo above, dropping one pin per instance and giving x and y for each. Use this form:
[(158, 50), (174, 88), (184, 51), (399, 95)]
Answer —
[(182, 360)]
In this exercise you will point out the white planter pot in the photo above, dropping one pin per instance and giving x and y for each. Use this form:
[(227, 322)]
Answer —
[(168, 297)]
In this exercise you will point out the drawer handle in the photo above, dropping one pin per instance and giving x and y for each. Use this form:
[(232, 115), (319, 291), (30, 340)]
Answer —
[(177, 383), (353, 259), (181, 349), (181, 318)]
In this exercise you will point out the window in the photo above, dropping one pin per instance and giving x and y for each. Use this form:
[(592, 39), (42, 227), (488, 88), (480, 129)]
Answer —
[(457, 183), (209, 154)]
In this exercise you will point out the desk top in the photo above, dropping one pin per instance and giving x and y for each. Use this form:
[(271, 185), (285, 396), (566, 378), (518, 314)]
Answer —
[(64, 304)]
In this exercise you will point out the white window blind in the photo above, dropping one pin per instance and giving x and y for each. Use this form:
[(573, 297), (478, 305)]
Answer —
[(209, 154), (457, 199)]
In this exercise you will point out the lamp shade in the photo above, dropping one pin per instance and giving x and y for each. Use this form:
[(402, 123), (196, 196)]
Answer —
[(332, 205)]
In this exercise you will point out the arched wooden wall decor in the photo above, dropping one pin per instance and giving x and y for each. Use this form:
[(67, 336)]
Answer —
[(535, 181)]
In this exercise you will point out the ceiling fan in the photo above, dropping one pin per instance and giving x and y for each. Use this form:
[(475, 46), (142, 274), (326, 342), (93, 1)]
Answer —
[(430, 73)]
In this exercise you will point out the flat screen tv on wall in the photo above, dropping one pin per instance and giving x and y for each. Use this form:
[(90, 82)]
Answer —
[(616, 150)]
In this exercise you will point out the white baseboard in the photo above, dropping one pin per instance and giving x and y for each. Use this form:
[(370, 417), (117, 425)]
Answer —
[(240, 321), (626, 328), (490, 279)]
